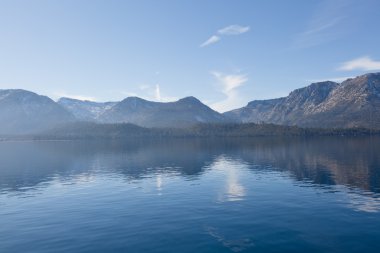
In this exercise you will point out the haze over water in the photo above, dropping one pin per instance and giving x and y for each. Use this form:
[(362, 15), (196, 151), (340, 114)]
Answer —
[(253, 195)]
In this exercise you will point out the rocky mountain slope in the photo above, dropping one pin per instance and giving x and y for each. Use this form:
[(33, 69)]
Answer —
[(85, 110), (182, 113), (353, 103), (24, 111)]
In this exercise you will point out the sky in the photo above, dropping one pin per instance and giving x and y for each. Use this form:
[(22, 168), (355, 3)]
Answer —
[(224, 52)]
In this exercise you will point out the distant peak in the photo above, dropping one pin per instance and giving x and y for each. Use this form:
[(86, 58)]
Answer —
[(15, 91), (375, 74), (19, 93), (135, 99), (265, 101), (363, 79), (190, 99), (372, 76), (324, 83), (318, 86), (62, 99)]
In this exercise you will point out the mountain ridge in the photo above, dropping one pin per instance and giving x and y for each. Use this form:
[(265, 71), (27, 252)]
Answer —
[(181, 113), (353, 103)]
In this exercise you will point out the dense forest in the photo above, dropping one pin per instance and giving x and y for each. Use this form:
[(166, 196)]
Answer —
[(86, 130)]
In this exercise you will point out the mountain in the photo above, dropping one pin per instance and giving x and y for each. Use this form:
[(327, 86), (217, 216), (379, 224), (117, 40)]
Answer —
[(182, 113), (353, 103), (23, 111), (287, 110), (85, 110)]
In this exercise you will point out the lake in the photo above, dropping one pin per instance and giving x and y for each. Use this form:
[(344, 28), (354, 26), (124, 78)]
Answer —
[(189, 195)]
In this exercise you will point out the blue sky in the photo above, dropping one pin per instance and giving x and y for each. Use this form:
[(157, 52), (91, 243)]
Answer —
[(224, 52)]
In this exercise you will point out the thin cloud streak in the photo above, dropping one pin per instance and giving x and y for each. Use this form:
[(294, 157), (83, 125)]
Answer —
[(226, 31), (233, 30), (229, 85), (363, 63), (213, 39), (321, 28), (157, 92)]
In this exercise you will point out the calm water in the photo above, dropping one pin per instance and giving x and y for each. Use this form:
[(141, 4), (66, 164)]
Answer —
[(262, 195)]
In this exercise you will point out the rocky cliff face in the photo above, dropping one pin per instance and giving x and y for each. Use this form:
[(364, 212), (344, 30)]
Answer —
[(353, 103)]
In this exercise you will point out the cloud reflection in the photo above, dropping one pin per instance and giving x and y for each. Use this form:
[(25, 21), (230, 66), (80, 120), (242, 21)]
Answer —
[(363, 203), (234, 190), (159, 183)]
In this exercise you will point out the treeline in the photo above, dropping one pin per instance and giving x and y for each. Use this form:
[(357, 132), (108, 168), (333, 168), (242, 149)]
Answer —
[(88, 130)]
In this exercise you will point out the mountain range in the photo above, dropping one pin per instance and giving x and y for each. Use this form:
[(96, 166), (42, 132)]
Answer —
[(353, 103)]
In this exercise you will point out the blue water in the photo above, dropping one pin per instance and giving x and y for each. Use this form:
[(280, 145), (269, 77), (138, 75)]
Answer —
[(253, 195)]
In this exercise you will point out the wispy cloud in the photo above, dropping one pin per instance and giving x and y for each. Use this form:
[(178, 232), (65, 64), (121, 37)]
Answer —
[(233, 30), (363, 63), (228, 85), (226, 31), (157, 93), (322, 26), (213, 39)]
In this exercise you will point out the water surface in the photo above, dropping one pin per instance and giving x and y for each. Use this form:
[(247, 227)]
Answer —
[(257, 195)]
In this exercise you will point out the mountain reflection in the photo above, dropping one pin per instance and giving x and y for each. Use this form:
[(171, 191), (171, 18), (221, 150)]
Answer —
[(353, 162)]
